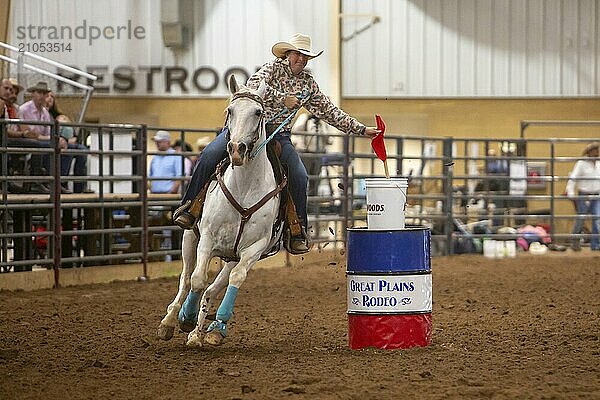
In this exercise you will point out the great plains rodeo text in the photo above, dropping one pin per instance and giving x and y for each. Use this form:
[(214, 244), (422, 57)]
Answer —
[(373, 292)]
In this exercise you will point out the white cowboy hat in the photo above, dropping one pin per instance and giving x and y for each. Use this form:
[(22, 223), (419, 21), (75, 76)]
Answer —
[(202, 142), (162, 136), (299, 42)]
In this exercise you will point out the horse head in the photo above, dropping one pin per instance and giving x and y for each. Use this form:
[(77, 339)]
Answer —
[(244, 120)]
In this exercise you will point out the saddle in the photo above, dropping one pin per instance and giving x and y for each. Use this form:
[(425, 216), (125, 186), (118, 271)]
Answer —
[(287, 209)]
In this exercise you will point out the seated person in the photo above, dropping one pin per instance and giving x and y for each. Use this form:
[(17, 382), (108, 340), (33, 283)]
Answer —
[(19, 136), (68, 141), (35, 110)]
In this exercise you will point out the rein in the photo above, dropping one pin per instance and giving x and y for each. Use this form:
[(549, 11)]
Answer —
[(246, 213), (258, 148)]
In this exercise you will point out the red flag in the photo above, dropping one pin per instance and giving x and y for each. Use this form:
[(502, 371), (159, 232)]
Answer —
[(377, 143)]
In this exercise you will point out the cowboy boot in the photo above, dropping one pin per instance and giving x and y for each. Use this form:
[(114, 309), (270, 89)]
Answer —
[(188, 214), (300, 244), (183, 218)]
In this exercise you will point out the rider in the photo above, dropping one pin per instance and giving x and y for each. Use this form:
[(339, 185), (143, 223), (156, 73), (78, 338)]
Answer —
[(289, 87)]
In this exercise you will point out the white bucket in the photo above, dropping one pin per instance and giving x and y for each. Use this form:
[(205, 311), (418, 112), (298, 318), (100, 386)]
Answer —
[(489, 248), (537, 248), (511, 249), (386, 202), (500, 249)]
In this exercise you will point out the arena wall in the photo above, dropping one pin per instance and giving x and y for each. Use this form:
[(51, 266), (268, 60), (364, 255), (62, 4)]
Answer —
[(490, 118), (44, 279)]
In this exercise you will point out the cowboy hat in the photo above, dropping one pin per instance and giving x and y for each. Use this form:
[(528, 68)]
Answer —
[(15, 84), (202, 142), (162, 136), (299, 42), (39, 87), (592, 146)]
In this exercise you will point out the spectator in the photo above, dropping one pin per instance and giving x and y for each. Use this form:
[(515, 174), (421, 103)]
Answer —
[(164, 165), (499, 167), (11, 105), (498, 170), (52, 106), (35, 110), (68, 141), (8, 94), (20, 136), (17, 88), (201, 143), (188, 160), (583, 187)]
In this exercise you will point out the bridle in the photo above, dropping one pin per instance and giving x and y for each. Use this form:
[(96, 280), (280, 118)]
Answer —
[(246, 213), (256, 98), (252, 151)]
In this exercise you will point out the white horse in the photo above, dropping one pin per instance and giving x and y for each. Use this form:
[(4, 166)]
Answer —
[(237, 223)]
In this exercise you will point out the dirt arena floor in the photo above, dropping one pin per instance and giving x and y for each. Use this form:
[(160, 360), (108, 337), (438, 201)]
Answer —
[(521, 328)]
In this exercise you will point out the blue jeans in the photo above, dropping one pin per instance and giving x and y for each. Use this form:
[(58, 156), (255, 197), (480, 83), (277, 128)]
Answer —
[(40, 162), (588, 207), (80, 168), (217, 151)]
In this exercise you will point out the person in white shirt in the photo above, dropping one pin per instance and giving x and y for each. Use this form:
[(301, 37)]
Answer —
[(583, 187)]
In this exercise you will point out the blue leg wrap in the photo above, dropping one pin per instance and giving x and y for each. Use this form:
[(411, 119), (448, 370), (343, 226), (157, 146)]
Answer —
[(221, 327), (226, 308), (188, 315)]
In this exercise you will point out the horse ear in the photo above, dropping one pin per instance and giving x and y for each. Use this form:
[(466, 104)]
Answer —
[(262, 89), (233, 86)]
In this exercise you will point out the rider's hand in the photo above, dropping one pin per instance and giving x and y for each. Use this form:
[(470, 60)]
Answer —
[(291, 102), (371, 131)]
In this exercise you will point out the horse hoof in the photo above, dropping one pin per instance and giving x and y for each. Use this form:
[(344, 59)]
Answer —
[(214, 338), (194, 340), (186, 323), (188, 314), (187, 326), (165, 332)]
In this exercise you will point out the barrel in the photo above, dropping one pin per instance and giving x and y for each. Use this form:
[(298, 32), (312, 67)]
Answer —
[(389, 288)]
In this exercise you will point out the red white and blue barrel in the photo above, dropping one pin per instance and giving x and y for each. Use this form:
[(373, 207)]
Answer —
[(389, 288)]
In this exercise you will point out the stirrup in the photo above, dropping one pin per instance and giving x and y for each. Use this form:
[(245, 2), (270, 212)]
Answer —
[(182, 217), (287, 242)]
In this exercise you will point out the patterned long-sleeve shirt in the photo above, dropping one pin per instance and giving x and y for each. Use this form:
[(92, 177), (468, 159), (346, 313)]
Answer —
[(281, 82)]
